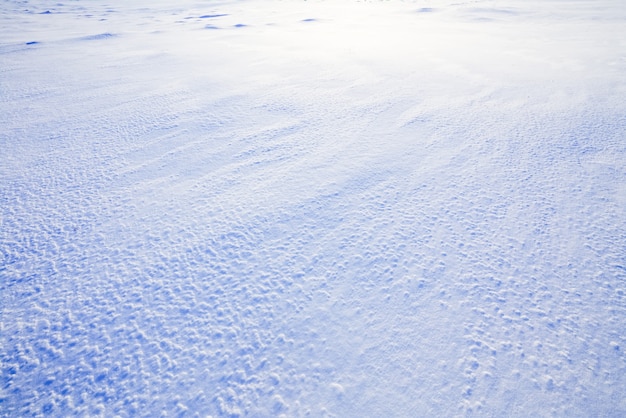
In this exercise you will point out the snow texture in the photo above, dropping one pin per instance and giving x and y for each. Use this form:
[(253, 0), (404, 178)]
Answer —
[(313, 208)]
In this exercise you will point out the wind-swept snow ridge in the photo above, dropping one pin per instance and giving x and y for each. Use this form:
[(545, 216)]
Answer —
[(318, 209)]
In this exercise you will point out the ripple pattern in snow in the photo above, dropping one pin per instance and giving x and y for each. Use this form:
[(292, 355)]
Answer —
[(286, 208)]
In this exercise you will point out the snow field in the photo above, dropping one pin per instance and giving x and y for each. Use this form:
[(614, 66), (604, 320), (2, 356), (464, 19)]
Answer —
[(265, 208)]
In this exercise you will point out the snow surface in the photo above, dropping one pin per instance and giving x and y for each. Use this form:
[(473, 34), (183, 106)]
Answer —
[(313, 208)]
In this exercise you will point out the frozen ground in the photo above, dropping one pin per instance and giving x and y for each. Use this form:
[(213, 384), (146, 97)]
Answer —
[(313, 208)]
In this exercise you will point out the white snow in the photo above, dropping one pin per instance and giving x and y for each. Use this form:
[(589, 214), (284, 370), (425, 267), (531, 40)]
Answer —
[(313, 208)]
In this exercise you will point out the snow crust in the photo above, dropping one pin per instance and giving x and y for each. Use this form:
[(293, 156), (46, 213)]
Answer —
[(313, 208)]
